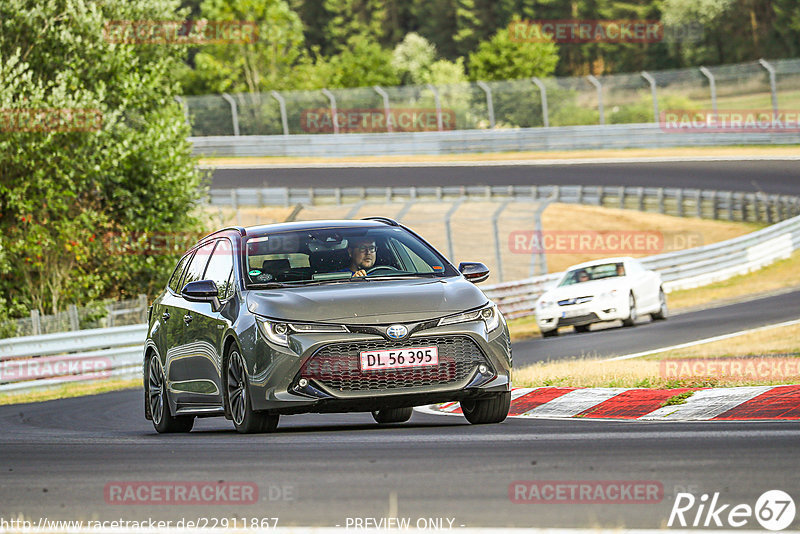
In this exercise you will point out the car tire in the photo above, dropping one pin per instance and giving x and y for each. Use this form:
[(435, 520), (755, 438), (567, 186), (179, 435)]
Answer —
[(581, 328), (237, 398), (392, 415), (663, 311), (631, 320), (487, 411), (157, 397), (550, 333)]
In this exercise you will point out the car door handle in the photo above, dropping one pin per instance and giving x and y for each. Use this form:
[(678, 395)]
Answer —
[(165, 316), (187, 318)]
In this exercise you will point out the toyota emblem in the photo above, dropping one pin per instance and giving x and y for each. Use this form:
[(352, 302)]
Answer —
[(397, 331)]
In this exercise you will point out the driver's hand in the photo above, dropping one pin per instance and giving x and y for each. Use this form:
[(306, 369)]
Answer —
[(360, 272)]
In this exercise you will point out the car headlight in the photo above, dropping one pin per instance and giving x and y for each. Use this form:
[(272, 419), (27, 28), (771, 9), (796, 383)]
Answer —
[(545, 303), (278, 332), (490, 315)]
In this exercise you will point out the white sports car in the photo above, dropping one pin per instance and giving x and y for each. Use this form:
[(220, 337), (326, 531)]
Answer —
[(601, 290)]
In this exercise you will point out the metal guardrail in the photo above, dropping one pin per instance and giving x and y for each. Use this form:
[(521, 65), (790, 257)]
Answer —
[(51, 360), (683, 269), (614, 136), (709, 204), (38, 362)]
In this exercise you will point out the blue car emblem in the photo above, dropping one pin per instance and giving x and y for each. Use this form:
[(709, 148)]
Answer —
[(397, 331)]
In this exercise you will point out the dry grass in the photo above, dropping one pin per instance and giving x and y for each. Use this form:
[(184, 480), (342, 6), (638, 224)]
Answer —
[(70, 390), (778, 275), (508, 156), (646, 372)]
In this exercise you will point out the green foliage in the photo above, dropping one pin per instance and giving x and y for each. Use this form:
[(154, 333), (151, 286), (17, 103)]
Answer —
[(361, 63), (412, 59), (62, 192), (502, 58)]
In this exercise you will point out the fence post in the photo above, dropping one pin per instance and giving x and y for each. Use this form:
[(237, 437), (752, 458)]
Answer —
[(652, 81), (386, 111), (234, 112), (334, 115), (110, 316), (407, 206), (679, 202), (438, 103), (495, 226), (182, 102), (640, 198), (699, 204), (772, 85), (489, 103), (72, 313), (713, 87), (36, 324), (622, 197), (730, 205), (539, 257), (714, 212), (543, 93), (448, 227), (660, 197), (282, 104), (594, 81), (143, 306)]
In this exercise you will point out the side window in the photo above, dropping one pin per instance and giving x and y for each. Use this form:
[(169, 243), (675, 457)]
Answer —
[(220, 268), (174, 282), (198, 264)]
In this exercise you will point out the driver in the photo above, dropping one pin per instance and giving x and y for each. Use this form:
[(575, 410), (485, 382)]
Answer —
[(362, 255)]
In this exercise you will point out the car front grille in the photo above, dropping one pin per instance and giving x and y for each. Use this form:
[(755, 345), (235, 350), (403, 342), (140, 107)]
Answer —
[(336, 366), (576, 300)]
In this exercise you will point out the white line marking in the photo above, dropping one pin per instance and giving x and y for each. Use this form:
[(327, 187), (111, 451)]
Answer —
[(493, 163), (574, 402), (368, 530), (706, 404), (701, 341)]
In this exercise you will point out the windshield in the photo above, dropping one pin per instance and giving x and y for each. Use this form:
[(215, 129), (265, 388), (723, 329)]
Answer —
[(337, 254), (593, 272)]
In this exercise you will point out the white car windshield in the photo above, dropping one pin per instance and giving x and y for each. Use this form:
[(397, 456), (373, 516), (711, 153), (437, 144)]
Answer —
[(593, 272)]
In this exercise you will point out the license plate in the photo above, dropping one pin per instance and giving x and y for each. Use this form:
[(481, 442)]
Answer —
[(572, 313), (377, 360)]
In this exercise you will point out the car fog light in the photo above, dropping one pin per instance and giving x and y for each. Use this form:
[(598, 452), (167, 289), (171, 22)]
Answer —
[(302, 382), (483, 369)]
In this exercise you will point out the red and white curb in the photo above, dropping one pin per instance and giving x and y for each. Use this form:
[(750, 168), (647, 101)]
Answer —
[(718, 404)]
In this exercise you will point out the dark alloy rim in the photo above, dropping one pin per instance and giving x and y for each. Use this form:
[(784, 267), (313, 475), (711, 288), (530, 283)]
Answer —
[(237, 396), (155, 390)]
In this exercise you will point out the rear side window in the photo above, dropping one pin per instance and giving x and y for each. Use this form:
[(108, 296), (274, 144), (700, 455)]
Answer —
[(198, 264), (174, 282), (220, 268)]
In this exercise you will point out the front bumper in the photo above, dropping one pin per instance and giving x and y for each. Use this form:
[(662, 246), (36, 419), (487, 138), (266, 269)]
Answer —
[(332, 382), (599, 310)]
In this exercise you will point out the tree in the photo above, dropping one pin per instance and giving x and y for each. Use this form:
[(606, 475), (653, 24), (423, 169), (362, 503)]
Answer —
[(412, 58), (354, 18), (69, 188), (361, 63), (502, 58)]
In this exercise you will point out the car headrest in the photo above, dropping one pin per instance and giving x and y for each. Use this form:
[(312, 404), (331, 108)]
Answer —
[(328, 261)]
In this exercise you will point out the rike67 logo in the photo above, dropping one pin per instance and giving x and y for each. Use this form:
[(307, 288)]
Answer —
[(774, 510)]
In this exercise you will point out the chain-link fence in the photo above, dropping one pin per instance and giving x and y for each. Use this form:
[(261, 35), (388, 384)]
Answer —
[(568, 101)]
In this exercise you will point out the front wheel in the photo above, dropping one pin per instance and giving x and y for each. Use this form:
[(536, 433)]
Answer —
[(631, 320), (487, 411), (156, 392), (245, 419), (392, 415), (663, 311)]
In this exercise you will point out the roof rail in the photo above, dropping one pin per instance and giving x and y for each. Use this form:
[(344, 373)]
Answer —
[(240, 229), (386, 220)]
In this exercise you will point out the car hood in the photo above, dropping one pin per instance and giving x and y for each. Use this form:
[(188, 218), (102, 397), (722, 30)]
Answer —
[(591, 288), (368, 302)]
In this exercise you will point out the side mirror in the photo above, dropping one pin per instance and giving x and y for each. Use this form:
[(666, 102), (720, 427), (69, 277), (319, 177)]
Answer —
[(473, 271), (202, 291)]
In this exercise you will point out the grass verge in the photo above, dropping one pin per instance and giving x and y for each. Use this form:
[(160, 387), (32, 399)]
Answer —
[(70, 390), (649, 371), (737, 151)]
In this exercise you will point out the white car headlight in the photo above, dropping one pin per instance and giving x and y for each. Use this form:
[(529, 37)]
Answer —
[(278, 332), (544, 303), (490, 315)]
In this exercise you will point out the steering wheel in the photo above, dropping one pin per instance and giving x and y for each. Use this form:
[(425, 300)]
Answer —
[(384, 267)]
